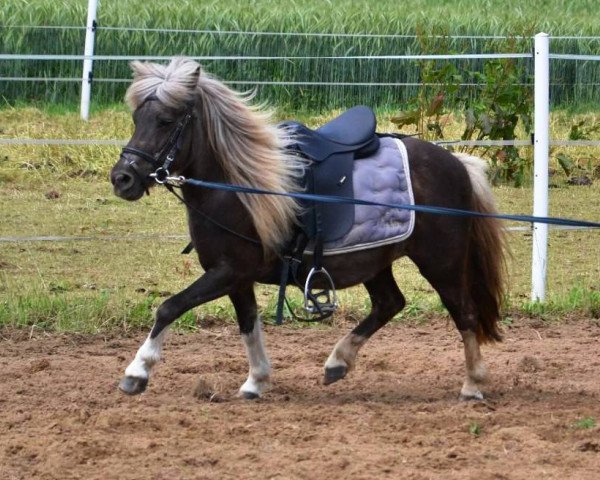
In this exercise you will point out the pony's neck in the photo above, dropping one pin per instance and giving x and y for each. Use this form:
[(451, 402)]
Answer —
[(201, 161), (246, 149), (202, 164)]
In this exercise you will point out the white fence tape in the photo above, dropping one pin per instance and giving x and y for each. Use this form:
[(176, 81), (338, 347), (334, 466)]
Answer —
[(204, 58), (464, 143), (159, 236)]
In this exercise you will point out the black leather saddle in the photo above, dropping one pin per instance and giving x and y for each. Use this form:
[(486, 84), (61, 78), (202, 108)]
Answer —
[(333, 148)]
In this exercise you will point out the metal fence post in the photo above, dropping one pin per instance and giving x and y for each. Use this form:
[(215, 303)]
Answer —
[(86, 81), (539, 261)]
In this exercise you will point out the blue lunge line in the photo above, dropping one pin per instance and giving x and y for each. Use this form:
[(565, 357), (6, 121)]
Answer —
[(455, 212)]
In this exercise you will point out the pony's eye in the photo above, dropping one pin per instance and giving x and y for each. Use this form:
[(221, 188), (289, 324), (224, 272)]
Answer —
[(163, 122)]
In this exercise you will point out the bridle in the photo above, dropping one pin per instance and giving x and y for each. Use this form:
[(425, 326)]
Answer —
[(163, 160)]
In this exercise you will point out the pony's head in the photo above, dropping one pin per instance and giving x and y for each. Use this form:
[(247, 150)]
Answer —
[(213, 130), (162, 99)]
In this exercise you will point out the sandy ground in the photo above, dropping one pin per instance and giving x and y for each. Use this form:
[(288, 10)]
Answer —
[(396, 416)]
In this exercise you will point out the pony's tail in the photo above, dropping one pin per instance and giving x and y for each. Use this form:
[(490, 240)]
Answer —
[(487, 253)]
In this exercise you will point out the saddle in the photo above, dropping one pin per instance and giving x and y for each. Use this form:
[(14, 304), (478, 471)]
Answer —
[(332, 149)]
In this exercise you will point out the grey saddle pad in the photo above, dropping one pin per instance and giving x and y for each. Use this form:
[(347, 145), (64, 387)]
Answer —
[(384, 178)]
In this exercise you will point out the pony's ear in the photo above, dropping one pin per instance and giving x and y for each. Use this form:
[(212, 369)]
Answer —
[(136, 67), (197, 73), (146, 69)]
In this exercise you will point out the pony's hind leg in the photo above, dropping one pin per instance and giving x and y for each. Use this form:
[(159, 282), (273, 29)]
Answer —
[(250, 325), (386, 301), (457, 299), (476, 370)]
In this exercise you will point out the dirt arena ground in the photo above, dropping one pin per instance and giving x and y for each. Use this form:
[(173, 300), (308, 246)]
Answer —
[(396, 416)]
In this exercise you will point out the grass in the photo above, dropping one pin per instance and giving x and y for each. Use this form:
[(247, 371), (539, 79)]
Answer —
[(584, 423), (475, 429), (105, 283), (424, 19), (577, 297)]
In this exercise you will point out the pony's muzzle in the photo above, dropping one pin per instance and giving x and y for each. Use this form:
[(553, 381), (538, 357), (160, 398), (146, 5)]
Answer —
[(127, 184), (121, 180)]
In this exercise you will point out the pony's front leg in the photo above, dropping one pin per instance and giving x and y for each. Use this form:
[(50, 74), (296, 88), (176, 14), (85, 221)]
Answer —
[(250, 325), (213, 284), (138, 371)]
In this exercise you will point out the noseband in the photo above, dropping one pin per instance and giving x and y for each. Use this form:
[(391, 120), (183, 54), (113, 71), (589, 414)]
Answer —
[(162, 161)]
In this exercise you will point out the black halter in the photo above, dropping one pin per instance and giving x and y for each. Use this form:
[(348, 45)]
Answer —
[(165, 157)]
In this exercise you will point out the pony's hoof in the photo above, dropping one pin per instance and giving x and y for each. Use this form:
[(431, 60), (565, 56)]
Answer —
[(133, 385), (333, 374), (249, 395), (471, 397)]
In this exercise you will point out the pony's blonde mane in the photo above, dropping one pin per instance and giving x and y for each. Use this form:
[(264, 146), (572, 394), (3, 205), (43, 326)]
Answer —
[(250, 149)]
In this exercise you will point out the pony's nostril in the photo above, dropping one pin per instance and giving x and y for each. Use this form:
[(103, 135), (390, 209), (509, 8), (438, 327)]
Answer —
[(122, 180)]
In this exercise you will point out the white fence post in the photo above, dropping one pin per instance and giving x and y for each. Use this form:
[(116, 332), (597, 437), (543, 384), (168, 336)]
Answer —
[(541, 145), (86, 81)]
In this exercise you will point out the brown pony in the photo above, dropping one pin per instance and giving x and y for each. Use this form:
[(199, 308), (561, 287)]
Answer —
[(217, 136)]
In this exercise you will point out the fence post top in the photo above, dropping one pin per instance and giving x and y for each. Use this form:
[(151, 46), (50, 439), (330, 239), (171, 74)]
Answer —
[(541, 34)]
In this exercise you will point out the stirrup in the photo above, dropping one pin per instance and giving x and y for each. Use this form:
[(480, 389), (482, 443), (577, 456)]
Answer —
[(322, 302)]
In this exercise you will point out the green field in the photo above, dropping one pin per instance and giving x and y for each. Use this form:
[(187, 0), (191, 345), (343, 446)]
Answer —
[(425, 27), (123, 258), (339, 16)]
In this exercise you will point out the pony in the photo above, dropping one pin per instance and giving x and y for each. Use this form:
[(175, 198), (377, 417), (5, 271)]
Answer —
[(205, 130)]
